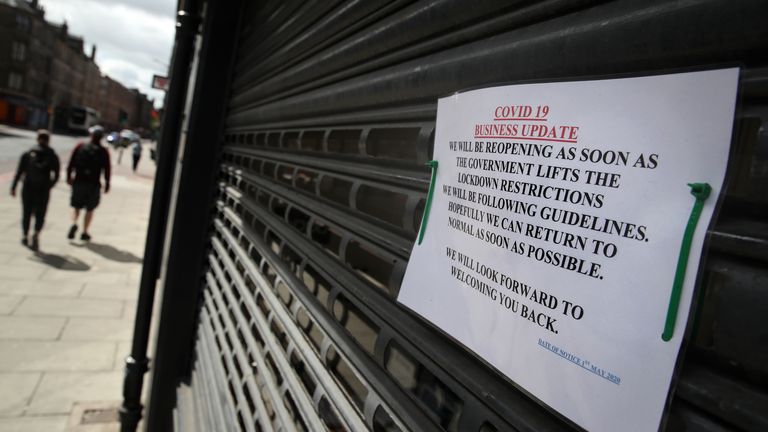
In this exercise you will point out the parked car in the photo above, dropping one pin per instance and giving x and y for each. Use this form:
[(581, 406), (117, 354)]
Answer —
[(128, 137), (113, 139)]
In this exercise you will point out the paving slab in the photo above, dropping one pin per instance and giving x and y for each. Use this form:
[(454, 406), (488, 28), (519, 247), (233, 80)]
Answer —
[(8, 272), (43, 423), (31, 260), (31, 328), (41, 356), (41, 289), (11, 240), (58, 392), (100, 264), (97, 329), (17, 388), (9, 303), (110, 291), (100, 277), (129, 311), (70, 307), (6, 256)]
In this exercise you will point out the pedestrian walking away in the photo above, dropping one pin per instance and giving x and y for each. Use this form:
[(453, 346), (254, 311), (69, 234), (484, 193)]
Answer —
[(86, 165), (136, 149), (39, 170)]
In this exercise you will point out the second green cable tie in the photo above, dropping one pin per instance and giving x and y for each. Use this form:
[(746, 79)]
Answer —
[(701, 192)]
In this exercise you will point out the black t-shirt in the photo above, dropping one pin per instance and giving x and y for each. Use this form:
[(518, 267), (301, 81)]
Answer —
[(39, 168), (87, 162)]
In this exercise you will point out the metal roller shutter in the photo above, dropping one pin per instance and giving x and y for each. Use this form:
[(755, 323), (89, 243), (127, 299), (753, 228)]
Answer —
[(321, 189)]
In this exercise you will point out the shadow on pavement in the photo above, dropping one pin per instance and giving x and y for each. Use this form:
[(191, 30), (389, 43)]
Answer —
[(110, 252), (61, 262)]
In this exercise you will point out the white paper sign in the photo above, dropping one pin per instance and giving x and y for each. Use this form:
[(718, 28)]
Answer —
[(555, 229)]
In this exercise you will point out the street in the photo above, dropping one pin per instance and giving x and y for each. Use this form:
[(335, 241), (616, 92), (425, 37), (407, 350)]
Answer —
[(13, 142)]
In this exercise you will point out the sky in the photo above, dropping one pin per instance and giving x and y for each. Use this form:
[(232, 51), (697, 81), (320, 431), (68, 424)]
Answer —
[(133, 38)]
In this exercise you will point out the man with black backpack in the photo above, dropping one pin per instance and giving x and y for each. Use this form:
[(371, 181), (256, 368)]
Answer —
[(39, 167), (84, 170)]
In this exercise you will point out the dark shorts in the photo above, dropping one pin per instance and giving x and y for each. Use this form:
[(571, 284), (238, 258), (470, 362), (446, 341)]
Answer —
[(85, 195)]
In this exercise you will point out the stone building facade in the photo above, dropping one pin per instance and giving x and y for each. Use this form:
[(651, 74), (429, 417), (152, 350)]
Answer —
[(44, 69)]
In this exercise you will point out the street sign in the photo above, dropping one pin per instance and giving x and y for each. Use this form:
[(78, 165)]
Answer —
[(160, 82)]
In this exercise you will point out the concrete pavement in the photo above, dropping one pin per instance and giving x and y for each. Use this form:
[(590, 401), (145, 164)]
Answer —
[(66, 313)]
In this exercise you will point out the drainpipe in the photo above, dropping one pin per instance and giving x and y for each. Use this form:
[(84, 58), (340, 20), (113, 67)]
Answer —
[(137, 363)]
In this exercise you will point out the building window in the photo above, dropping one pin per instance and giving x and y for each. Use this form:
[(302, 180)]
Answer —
[(22, 22), (18, 51), (15, 81)]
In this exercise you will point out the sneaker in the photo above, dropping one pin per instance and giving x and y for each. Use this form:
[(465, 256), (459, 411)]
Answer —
[(24, 241), (35, 243), (72, 231), (85, 237)]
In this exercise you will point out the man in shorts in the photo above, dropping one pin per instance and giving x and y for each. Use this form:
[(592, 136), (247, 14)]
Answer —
[(88, 161), (39, 171)]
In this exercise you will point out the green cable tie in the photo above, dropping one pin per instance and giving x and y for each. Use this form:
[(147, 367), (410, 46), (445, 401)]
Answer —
[(701, 191), (428, 204)]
